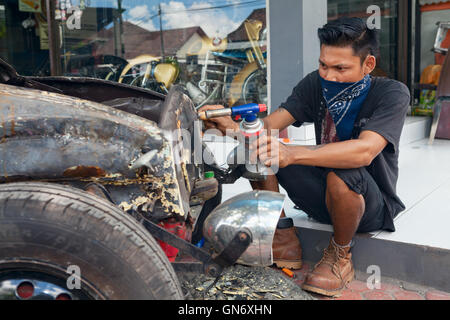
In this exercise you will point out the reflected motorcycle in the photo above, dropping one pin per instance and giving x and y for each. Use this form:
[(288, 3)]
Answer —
[(236, 75)]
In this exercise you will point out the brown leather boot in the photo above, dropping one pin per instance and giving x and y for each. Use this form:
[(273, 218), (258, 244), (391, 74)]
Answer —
[(332, 273), (286, 249)]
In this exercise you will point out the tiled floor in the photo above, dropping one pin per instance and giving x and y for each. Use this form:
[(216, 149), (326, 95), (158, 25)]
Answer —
[(392, 290), (424, 186)]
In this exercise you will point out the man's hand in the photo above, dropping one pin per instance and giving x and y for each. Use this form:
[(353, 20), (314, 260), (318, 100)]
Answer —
[(271, 152), (222, 124)]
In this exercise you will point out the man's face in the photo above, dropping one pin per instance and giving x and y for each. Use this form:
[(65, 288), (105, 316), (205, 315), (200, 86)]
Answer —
[(342, 65)]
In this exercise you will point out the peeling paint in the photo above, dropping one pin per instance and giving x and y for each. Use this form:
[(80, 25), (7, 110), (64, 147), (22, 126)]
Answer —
[(186, 177)]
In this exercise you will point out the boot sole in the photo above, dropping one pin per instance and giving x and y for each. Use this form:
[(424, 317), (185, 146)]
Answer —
[(330, 293), (289, 264)]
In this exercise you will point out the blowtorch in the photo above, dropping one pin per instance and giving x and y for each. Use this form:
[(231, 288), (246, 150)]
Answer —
[(248, 111), (250, 127)]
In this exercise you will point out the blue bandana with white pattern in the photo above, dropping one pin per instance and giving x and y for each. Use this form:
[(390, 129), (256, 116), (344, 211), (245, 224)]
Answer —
[(344, 101)]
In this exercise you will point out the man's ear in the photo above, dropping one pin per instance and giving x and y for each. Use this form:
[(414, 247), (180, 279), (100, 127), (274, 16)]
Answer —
[(370, 64)]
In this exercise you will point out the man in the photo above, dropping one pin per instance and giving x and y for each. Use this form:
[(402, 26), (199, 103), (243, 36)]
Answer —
[(349, 179)]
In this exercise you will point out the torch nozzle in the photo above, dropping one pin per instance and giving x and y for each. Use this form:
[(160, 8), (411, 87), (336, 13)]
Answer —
[(202, 115), (208, 114), (249, 110)]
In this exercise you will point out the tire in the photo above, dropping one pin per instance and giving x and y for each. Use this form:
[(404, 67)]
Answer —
[(45, 228)]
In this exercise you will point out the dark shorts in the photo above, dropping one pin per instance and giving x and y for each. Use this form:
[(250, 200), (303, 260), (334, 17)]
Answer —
[(306, 187)]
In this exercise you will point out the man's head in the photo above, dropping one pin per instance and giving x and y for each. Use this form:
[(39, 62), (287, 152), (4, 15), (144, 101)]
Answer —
[(348, 50)]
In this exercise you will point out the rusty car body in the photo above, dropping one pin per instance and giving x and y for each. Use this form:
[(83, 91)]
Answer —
[(93, 171), (122, 144), (79, 131)]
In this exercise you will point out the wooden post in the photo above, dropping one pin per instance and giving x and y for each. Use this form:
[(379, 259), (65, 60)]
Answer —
[(53, 39)]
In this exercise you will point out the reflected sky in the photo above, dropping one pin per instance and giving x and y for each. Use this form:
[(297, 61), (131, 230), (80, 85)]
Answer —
[(216, 17)]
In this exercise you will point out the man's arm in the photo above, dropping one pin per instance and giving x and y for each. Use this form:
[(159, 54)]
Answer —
[(348, 154), (280, 119), (340, 155)]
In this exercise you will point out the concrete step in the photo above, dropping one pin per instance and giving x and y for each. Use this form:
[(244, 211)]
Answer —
[(415, 129)]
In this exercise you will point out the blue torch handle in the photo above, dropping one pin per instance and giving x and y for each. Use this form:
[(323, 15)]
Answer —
[(248, 111), (245, 109)]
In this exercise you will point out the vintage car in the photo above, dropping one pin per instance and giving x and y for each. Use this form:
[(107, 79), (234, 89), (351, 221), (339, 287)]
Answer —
[(92, 171)]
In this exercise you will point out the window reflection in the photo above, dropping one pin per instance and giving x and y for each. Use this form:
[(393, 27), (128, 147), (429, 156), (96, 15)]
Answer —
[(387, 62), (215, 49)]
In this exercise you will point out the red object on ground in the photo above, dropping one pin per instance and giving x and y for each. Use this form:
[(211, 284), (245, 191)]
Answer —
[(178, 229), (288, 272)]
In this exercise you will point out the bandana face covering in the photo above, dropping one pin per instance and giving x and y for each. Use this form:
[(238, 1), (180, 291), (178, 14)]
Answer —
[(344, 100)]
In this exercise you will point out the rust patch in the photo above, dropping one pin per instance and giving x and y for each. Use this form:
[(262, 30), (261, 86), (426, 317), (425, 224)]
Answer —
[(84, 172), (136, 203), (186, 176), (161, 188)]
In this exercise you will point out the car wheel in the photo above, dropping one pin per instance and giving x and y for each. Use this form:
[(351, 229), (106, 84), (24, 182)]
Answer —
[(58, 242)]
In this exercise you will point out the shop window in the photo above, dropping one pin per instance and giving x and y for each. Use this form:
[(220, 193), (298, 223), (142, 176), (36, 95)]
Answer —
[(387, 62), (215, 49), (23, 36)]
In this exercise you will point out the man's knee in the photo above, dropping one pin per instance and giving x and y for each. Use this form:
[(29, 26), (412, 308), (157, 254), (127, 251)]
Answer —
[(336, 186), (338, 190), (343, 180)]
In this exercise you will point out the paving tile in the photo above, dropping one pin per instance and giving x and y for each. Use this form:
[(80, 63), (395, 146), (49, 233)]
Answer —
[(437, 295), (350, 295), (391, 288), (299, 281), (407, 295), (377, 295), (358, 286), (303, 271)]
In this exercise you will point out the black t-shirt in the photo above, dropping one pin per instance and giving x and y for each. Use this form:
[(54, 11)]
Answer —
[(384, 111)]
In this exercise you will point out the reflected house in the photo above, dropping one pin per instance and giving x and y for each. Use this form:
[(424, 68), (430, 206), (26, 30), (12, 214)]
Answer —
[(238, 39), (236, 43), (182, 42), (139, 41), (240, 34)]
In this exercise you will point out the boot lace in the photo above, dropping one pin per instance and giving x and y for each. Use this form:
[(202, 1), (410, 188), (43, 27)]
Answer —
[(331, 256)]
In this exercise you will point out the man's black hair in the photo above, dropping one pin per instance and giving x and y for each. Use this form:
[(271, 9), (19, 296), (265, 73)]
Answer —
[(352, 32)]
